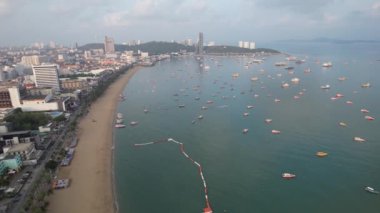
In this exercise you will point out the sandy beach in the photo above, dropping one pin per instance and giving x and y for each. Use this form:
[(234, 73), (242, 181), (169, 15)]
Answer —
[(90, 171)]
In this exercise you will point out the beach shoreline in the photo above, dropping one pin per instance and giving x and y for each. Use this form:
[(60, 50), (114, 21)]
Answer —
[(92, 187)]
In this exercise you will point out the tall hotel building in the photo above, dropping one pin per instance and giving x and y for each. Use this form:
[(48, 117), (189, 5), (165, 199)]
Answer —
[(199, 47), (46, 76), (109, 45)]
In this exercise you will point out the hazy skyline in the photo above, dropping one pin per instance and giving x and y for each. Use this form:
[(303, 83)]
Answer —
[(68, 21)]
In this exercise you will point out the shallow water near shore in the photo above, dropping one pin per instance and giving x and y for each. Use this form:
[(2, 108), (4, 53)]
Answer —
[(243, 171)]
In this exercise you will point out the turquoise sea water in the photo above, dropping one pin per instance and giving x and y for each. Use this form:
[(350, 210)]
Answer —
[(243, 171)]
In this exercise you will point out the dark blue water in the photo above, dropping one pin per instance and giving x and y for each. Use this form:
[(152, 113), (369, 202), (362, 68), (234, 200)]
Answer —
[(243, 171)]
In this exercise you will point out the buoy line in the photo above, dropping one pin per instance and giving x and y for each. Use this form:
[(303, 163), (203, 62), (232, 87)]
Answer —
[(207, 208)]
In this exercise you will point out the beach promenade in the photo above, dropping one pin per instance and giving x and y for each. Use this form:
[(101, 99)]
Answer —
[(91, 187)]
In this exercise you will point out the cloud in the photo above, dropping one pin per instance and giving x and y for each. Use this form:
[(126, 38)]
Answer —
[(4, 7), (298, 6)]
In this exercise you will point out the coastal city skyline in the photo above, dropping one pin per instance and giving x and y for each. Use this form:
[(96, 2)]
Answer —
[(85, 21)]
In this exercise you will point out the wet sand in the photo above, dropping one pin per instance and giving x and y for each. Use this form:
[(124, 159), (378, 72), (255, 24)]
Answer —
[(90, 172)]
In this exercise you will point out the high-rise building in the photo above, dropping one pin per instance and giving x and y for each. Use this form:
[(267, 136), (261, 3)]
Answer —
[(46, 76), (199, 47), (30, 60), (246, 44), (252, 45), (109, 45), (241, 44)]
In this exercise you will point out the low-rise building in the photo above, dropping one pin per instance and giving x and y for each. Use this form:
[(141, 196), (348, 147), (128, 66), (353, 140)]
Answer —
[(25, 150)]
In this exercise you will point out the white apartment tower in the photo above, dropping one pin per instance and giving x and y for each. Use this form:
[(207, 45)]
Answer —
[(46, 76), (30, 60)]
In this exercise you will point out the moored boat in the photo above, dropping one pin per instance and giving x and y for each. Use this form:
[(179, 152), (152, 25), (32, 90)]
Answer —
[(367, 117), (342, 124), (327, 64), (119, 121), (245, 131), (276, 132), (288, 175), (321, 154), (119, 125), (119, 115), (359, 139), (366, 85), (249, 106), (364, 110), (371, 190), (327, 86)]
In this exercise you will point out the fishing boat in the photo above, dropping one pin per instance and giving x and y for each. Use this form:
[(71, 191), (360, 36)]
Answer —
[(296, 97), (367, 117), (245, 131), (246, 113), (146, 110), (197, 98), (349, 102), (235, 75), (321, 154), (210, 102), (371, 190), (280, 64), (288, 175), (339, 95), (204, 107), (276, 132), (327, 86), (119, 126), (366, 85), (249, 107), (359, 139), (277, 100)]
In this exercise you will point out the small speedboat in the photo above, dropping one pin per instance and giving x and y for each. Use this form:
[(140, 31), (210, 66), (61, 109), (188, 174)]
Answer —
[(327, 64), (254, 78), (277, 100), (146, 110), (342, 78), (295, 80), (204, 107), (359, 139), (249, 106), (210, 102), (276, 132), (200, 117), (349, 102), (339, 95), (288, 176), (371, 190), (246, 113), (245, 131), (369, 118), (285, 85)]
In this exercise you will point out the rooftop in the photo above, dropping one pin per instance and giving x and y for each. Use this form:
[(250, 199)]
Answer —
[(20, 147)]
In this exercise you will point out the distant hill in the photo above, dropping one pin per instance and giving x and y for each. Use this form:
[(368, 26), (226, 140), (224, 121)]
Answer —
[(236, 50), (153, 47)]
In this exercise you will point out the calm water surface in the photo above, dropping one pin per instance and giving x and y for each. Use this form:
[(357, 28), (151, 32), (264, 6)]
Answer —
[(243, 171)]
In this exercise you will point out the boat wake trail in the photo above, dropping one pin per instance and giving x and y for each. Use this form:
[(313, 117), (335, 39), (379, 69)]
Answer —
[(207, 208)]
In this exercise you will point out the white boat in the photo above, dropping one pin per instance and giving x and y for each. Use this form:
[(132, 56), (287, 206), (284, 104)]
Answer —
[(295, 80), (276, 132), (277, 100), (268, 120), (359, 139), (342, 124), (146, 110), (349, 102), (366, 85), (204, 107), (371, 190), (327, 64), (249, 107), (119, 121), (200, 117), (254, 78), (327, 86), (119, 125), (307, 70), (133, 123), (285, 85), (119, 115), (181, 106), (235, 75), (364, 110), (288, 175), (245, 131), (246, 113), (342, 78), (280, 63)]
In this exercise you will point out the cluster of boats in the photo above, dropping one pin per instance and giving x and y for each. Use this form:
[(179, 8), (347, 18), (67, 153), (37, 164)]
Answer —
[(119, 122)]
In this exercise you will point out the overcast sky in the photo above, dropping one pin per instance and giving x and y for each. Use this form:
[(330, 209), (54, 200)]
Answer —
[(23, 22)]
